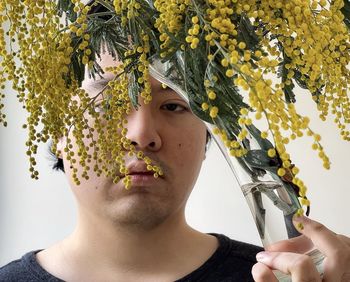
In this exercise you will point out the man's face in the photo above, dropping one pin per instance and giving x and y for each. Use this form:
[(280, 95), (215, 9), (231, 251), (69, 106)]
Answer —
[(167, 132)]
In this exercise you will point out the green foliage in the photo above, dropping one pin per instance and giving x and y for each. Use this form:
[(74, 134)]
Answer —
[(190, 69), (346, 12), (66, 7), (258, 159), (246, 32)]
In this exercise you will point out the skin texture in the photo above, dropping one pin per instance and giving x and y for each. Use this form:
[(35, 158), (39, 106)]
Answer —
[(121, 235), (141, 234), (167, 132)]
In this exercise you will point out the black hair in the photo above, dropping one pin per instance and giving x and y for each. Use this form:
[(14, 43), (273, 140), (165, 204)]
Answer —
[(57, 163)]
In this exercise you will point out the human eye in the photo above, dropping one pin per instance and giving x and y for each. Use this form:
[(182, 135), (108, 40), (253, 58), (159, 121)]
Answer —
[(174, 107), (101, 107)]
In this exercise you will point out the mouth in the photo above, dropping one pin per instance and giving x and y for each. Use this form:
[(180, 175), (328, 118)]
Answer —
[(142, 178), (148, 172)]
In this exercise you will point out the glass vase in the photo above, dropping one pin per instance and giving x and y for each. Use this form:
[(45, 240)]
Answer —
[(272, 201)]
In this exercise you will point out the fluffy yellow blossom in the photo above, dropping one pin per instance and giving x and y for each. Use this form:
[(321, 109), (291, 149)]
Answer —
[(271, 153), (310, 47), (214, 112), (205, 106), (211, 95)]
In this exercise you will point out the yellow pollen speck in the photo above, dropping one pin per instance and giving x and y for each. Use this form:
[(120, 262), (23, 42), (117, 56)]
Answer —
[(214, 112), (281, 172), (271, 153)]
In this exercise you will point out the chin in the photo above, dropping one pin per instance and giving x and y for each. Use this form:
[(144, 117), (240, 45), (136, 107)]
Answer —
[(137, 212)]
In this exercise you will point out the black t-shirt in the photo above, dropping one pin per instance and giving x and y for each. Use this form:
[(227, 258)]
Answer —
[(232, 261)]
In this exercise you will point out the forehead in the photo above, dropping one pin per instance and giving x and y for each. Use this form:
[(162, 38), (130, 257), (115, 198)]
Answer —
[(95, 85), (91, 84)]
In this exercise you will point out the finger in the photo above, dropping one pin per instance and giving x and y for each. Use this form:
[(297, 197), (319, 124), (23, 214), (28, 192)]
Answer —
[(325, 240), (261, 273), (299, 266), (300, 245), (335, 247)]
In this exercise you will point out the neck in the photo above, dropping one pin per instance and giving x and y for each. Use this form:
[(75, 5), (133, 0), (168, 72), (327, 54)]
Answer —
[(106, 251), (122, 248), (129, 245)]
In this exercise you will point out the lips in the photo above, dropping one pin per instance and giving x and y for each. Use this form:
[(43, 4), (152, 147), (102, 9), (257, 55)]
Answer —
[(138, 168), (141, 173), (140, 176)]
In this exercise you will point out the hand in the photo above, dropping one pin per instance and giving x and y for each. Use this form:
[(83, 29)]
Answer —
[(288, 256)]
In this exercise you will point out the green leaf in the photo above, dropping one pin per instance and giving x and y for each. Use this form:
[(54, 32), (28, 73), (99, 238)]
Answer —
[(247, 34), (346, 12), (133, 89), (67, 7), (259, 159), (264, 144)]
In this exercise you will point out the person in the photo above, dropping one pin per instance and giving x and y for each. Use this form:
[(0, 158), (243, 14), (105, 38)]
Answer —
[(141, 234)]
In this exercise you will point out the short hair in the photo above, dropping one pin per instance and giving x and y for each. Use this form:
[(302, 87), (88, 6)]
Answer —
[(57, 162)]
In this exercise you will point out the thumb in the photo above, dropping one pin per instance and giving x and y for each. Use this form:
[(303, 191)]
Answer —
[(300, 244)]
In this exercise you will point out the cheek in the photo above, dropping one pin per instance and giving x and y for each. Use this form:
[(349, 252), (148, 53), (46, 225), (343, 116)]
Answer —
[(186, 164), (70, 169), (188, 150)]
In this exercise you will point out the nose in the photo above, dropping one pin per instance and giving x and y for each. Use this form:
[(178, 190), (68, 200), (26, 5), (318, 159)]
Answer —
[(143, 129)]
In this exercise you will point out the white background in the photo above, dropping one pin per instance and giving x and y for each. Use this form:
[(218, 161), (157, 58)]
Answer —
[(34, 214)]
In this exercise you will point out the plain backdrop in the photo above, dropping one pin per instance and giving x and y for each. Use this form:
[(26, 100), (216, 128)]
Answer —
[(34, 214)]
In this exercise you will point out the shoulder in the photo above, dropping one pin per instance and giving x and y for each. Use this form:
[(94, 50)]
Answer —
[(233, 261), (14, 271), (233, 249), (25, 269)]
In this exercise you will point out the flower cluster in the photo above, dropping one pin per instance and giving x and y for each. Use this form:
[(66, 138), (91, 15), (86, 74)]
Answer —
[(40, 59), (44, 58), (170, 20), (301, 41), (225, 52)]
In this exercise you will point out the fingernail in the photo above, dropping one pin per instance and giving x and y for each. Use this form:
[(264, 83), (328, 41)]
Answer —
[(262, 256), (298, 221), (298, 218)]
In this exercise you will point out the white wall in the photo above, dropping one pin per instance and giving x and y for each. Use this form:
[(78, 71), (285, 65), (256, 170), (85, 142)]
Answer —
[(32, 213)]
